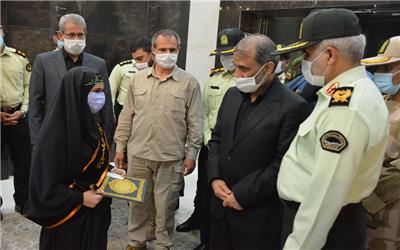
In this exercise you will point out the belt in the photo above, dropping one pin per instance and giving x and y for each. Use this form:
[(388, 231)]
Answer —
[(11, 110)]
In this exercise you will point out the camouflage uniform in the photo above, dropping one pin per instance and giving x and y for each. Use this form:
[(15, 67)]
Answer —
[(383, 205)]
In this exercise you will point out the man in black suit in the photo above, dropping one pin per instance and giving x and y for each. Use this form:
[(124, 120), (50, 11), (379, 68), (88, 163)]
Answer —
[(49, 68), (256, 123)]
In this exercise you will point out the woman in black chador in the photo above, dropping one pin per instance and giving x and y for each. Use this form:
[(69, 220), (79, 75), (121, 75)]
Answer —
[(69, 163)]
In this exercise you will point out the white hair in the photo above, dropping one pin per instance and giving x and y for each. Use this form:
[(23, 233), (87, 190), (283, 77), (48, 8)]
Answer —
[(72, 18), (351, 47)]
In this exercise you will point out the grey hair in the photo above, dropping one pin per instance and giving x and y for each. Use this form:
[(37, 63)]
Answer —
[(264, 47), (351, 47), (72, 18), (165, 32)]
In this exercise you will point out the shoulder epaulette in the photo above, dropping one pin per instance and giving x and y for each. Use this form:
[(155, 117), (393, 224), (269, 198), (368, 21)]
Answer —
[(19, 52), (341, 96), (125, 62), (216, 71)]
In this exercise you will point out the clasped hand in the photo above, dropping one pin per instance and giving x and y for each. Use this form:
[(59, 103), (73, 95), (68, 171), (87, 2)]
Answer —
[(222, 191)]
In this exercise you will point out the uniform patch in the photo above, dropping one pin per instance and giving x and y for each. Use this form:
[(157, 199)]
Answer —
[(331, 89), (341, 97), (132, 71), (28, 67), (333, 141), (214, 87)]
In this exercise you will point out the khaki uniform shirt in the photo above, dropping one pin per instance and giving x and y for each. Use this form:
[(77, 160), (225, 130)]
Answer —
[(120, 79), (335, 158), (388, 189), (161, 120), (15, 72), (214, 91)]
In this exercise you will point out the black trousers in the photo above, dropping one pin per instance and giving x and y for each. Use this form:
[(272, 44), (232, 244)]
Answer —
[(347, 233), (224, 236), (203, 197), (16, 138)]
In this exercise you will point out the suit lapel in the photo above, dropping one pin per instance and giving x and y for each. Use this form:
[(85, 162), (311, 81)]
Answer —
[(262, 110), (60, 63), (86, 60)]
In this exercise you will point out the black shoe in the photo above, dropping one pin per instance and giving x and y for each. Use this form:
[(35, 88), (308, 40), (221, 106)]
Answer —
[(201, 247), (189, 225)]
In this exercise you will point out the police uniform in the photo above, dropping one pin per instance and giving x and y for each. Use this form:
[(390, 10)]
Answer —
[(335, 159), (15, 71), (214, 90), (120, 80), (383, 205)]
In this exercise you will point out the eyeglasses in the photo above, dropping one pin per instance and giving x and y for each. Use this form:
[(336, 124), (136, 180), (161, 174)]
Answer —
[(80, 36)]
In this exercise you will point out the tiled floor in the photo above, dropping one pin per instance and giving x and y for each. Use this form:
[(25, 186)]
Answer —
[(18, 233)]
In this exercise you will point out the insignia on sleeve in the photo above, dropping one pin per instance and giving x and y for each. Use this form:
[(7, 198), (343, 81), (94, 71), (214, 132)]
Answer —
[(341, 97), (28, 67), (333, 141)]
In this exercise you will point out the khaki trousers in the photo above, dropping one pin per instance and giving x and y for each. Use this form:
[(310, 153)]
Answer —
[(164, 180)]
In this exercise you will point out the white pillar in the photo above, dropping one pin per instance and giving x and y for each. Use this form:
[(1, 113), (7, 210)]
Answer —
[(202, 38)]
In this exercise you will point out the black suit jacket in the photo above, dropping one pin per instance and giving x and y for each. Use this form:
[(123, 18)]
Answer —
[(48, 71), (249, 162)]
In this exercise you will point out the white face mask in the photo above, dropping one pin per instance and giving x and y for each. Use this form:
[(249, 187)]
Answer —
[(227, 62), (141, 66), (96, 101), (249, 84), (316, 80), (167, 60), (74, 47)]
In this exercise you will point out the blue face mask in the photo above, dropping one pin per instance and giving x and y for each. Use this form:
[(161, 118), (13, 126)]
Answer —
[(96, 101), (384, 83), (1, 41), (60, 44)]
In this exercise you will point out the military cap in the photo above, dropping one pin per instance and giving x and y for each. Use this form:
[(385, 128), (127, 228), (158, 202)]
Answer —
[(324, 24), (388, 53), (227, 40)]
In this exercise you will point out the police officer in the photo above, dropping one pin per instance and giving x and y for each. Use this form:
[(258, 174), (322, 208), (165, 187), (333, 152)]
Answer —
[(214, 90), (121, 75), (335, 159), (15, 71), (383, 205)]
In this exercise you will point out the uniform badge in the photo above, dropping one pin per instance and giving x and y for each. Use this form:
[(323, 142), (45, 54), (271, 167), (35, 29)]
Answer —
[(333, 141), (331, 89), (214, 87), (341, 97), (28, 67), (224, 40)]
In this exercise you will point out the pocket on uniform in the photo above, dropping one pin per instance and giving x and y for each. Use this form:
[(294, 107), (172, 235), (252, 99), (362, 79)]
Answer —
[(17, 75), (139, 98), (177, 103)]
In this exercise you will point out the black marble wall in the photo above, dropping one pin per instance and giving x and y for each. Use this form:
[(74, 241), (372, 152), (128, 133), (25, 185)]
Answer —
[(112, 25)]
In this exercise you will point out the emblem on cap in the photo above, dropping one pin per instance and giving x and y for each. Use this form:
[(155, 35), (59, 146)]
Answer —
[(301, 30), (384, 47), (341, 97), (224, 40), (333, 141)]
